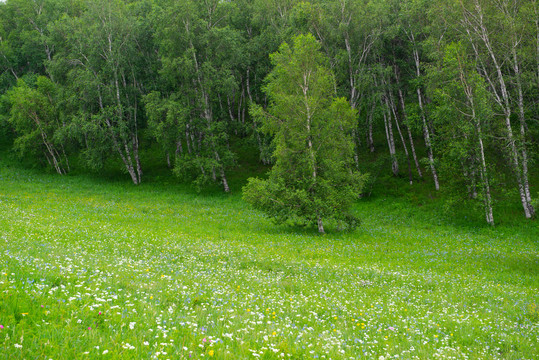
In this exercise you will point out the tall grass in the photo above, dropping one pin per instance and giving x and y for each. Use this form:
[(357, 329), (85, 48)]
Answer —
[(98, 268)]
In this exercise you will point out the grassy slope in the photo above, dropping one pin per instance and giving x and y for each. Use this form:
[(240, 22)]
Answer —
[(89, 266)]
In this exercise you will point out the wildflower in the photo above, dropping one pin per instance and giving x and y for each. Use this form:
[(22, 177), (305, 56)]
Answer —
[(18, 346), (105, 352), (99, 313), (2, 326), (274, 333), (204, 340), (211, 352)]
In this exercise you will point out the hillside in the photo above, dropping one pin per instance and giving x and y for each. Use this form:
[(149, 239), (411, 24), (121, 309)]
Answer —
[(93, 267)]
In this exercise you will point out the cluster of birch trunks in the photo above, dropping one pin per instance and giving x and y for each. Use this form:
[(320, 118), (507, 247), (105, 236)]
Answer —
[(447, 90)]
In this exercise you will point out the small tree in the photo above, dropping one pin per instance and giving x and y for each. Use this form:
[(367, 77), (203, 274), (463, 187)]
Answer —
[(313, 178), (36, 119)]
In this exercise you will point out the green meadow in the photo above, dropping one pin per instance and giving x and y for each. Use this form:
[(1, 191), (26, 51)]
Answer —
[(93, 268)]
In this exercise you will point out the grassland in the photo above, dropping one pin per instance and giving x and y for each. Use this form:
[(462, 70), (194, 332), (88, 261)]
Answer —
[(102, 269)]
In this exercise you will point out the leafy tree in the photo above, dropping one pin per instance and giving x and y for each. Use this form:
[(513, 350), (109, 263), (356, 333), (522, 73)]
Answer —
[(199, 54), (463, 115), (36, 118), (313, 178), (106, 65)]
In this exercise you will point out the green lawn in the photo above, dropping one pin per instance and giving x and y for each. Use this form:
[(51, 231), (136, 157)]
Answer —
[(102, 269)]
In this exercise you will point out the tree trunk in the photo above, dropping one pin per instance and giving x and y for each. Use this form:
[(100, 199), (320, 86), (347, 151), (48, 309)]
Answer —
[(370, 138), (523, 130), (477, 25), (484, 179), (207, 114), (188, 139), (395, 116), (179, 148), (410, 137), (389, 136), (426, 131), (483, 166), (53, 159), (320, 225)]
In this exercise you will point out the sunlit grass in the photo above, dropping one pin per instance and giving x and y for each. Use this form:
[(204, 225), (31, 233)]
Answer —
[(91, 269)]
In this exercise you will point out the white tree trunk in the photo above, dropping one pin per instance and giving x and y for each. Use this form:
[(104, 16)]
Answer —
[(523, 130), (412, 146), (390, 139), (484, 179), (370, 138), (320, 226), (395, 116), (426, 131), (478, 26)]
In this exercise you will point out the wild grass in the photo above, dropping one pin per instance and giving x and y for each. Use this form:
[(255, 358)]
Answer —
[(93, 268)]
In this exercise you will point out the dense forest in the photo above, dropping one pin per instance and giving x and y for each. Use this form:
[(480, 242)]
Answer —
[(444, 93)]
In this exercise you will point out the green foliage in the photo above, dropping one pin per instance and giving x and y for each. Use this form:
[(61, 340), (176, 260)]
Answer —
[(463, 114), (160, 251), (167, 120), (36, 118), (313, 178), (108, 61), (149, 83)]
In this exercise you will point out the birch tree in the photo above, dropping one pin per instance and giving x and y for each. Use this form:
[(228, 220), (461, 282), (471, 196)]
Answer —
[(412, 15), (463, 116), (106, 74), (491, 55), (313, 179), (199, 54), (36, 118)]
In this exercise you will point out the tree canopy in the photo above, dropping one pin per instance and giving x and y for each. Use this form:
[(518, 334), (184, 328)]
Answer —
[(445, 94), (313, 177)]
